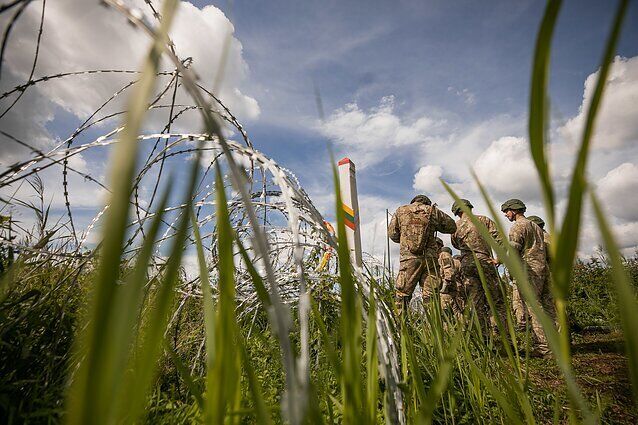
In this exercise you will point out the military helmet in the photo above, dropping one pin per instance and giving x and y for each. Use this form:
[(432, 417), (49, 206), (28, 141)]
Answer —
[(422, 199), (439, 241), (536, 219), (447, 249), (456, 206), (513, 204)]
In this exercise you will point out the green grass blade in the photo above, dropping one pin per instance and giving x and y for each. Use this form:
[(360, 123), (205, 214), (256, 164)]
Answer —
[(158, 311), (208, 306), (625, 295), (186, 376), (127, 304), (372, 363), (498, 395), (261, 410), (568, 241), (442, 378), (89, 397), (539, 104), (418, 386), (329, 346), (222, 380)]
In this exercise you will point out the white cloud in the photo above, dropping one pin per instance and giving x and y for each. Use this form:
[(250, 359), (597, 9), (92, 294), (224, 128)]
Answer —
[(371, 136), (427, 179), (617, 191), (616, 123), (506, 168), (83, 35)]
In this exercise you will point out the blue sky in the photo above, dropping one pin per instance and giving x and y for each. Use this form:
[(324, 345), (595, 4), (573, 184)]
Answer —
[(461, 62), (411, 91)]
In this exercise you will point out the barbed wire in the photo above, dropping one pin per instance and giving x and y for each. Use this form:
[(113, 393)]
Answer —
[(271, 200)]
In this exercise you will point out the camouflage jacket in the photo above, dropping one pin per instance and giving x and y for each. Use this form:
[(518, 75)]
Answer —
[(449, 267), (547, 239), (528, 240), (467, 239), (414, 227)]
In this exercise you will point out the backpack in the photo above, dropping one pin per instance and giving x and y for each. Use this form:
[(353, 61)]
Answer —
[(414, 228)]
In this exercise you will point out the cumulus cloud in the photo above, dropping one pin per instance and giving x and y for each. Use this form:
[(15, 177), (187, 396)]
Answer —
[(427, 179), (373, 135), (80, 36), (617, 190), (506, 168), (616, 123)]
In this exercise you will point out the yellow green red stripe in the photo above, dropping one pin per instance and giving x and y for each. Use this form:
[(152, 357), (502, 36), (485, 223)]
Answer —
[(349, 217)]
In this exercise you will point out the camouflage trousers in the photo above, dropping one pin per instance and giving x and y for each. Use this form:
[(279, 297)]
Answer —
[(519, 309), (541, 286), (454, 302), (413, 272), (476, 297)]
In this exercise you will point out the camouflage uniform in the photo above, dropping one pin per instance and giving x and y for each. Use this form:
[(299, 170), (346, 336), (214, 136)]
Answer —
[(518, 304), (469, 241), (450, 269), (528, 239), (414, 226)]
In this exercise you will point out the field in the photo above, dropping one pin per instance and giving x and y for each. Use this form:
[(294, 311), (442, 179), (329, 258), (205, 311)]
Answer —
[(121, 333), (40, 318)]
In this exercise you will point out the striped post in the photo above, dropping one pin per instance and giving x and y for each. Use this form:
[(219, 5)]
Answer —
[(348, 183)]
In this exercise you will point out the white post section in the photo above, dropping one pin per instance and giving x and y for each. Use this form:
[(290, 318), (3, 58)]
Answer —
[(348, 183)]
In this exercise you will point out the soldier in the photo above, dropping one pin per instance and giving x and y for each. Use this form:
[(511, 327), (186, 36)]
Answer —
[(451, 297), (518, 304), (413, 226), (469, 241), (528, 241), (541, 223)]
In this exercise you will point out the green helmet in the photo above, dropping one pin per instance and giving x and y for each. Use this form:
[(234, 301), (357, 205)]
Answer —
[(447, 249), (456, 206), (422, 199), (513, 204), (439, 241), (536, 219)]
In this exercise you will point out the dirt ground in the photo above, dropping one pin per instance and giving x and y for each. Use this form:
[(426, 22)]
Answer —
[(601, 371)]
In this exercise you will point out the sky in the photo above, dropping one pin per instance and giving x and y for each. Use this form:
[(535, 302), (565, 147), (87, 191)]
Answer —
[(411, 91)]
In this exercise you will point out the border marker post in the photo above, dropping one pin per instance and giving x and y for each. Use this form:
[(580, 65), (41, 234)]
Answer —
[(348, 183)]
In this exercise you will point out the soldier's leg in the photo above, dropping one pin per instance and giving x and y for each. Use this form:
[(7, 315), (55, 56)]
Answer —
[(477, 302), (498, 298), (407, 279), (430, 281), (538, 285), (547, 300), (519, 309)]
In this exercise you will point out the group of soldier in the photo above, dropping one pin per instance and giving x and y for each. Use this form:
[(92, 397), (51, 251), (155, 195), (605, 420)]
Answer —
[(470, 280)]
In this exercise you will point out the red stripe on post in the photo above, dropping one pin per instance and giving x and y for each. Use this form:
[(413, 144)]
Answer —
[(344, 161)]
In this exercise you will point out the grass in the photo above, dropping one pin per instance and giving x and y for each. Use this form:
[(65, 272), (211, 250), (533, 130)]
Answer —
[(98, 345)]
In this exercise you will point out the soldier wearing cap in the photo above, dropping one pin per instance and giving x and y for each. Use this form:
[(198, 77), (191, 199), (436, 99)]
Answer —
[(414, 227), (475, 252), (527, 239)]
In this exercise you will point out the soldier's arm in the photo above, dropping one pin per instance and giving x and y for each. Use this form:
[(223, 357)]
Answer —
[(447, 267), (455, 241), (491, 227), (443, 222), (394, 230), (517, 238)]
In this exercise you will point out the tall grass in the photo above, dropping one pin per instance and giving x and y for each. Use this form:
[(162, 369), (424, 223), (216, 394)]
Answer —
[(329, 363)]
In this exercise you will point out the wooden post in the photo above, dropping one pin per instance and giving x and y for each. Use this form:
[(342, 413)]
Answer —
[(348, 183)]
